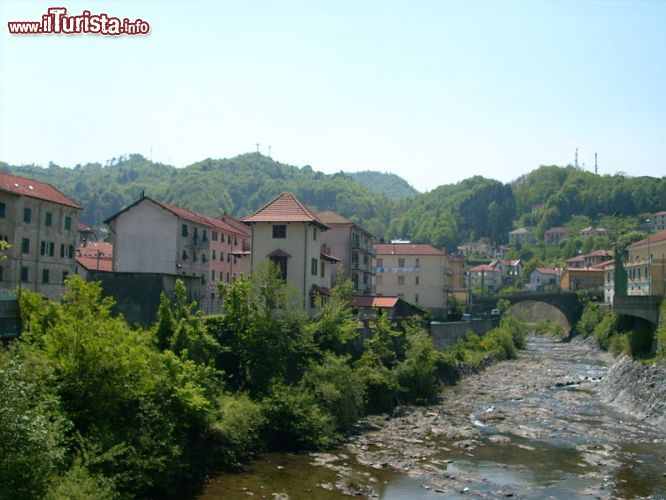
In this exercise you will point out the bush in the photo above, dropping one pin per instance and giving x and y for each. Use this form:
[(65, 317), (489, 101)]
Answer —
[(234, 428), (660, 334), (605, 329), (620, 344), (591, 317), (294, 420), (416, 375), (337, 388), (500, 343), (379, 387), (80, 484)]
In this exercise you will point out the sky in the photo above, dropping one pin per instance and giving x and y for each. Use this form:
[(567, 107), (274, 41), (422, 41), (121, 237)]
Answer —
[(434, 92)]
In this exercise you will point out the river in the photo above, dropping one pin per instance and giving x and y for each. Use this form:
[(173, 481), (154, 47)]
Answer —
[(533, 427)]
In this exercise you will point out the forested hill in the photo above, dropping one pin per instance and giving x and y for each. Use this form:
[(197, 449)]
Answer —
[(389, 184), (445, 216)]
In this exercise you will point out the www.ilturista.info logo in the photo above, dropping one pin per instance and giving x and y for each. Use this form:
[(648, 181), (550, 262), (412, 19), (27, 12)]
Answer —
[(56, 21)]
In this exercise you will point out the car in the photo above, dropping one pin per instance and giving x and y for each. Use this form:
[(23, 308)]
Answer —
[(466, 317), (495, 312)]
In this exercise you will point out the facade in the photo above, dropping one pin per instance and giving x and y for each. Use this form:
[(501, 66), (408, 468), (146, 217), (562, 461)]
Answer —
[(152, 236), (658, 222), (353, 246), (40, 224), (365, 308), (590, 279), (416, 273), (520, 236), (544, 279), (485, 277), (555, 235), (590, 232), (288, 234), (646, 265), (597, 257), (576, 262), (511, 269)]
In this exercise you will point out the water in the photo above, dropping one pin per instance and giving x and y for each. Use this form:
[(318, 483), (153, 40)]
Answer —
[(541, 432)]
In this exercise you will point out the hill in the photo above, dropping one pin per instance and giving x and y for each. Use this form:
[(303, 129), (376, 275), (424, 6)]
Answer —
[(386, 183)]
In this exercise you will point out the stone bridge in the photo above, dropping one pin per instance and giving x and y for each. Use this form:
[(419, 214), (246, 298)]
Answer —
[(564, 308), (639, 306)]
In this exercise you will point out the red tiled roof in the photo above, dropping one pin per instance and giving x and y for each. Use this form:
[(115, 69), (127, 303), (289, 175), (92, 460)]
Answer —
[(603, 264), (554, 230), (380, 302), (236, 223), (80, 227), (183, 213), (577, 258), (455, 258), (94, 264), (485, 268), (549, 270), (406, 249), (34, 189), (284, 208), (221, 225), (600, 253), (330, 217), (660, 213), (91, 249), (653, 238)]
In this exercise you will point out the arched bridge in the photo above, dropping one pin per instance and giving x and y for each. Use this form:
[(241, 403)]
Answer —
[(568, 307)]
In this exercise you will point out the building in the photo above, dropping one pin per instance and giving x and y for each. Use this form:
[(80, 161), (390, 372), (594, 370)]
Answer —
[(658, 222), (589, 279), (353, 246), (288, 234), (597, 257), (481, 248), (39, 222), (94, 257), (155, 237), (590, 232), (417, 273), (646, 266), (576, 262), (520, 236), (545, 279), (511, 269), (555, 235), (365, 308), (485, 278)]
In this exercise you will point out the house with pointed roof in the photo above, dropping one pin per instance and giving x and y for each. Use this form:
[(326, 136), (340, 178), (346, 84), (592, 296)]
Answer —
[(485, 277), (555, 235), (520, 236), (288, 234), (353, 245), (40, 223)]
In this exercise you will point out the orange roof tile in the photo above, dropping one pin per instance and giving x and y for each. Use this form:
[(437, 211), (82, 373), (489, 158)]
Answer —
[(380, 302), (653, 238), (485, 268), (330, 217), (34, 189), (94, 264), (406, 249), (284, 208), (92, 249)]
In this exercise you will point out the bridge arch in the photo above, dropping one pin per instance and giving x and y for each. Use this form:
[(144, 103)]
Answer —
[(563, 308)]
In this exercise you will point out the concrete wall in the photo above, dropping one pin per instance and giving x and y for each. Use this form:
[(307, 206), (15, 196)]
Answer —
[(444, 335)]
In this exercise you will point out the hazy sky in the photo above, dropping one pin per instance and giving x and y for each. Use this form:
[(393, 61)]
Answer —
[(432, 91)]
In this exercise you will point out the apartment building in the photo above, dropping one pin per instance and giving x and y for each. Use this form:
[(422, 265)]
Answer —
[(658, 222), (485, 278), (416, 273), (39, 222), (353, 246), (590, 232), (545, 279), (152, 236), (288, 234)]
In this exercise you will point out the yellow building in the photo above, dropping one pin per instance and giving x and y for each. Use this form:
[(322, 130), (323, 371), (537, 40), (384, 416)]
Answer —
[(288, 234), (416, 273)]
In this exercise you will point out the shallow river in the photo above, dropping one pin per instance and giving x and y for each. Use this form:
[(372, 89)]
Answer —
[(529, 428)]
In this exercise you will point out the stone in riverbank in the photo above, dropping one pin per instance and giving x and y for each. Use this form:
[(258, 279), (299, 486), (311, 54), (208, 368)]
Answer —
[(637, 390)]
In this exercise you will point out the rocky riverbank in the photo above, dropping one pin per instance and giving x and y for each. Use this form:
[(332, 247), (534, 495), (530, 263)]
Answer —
[(637, 389), (496, 430)]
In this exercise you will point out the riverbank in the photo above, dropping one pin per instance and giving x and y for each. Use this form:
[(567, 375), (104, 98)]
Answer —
[(637, 389), (530, 427)]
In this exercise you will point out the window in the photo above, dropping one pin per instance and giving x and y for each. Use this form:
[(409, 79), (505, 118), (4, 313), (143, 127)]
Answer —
[(235, 241), (417, 280), (183, 230), (416, 298), (68, 223), (25, 245), (281, 263), (64, 276), (314, 267), (214, 235), (194, 257), (2, 210), (227, 277), (314, 234), (418, 262), (280, 231), (221, 256), (204, 258), (45, 275), (228, 257), (229, 239), (27, 215), (205, 235), (71, 251), (401, 280), (196, 234), (212, 274), (24, 274), (51, 249), (62, 250), (401, 262), (43, 248), (323, 269), (184, 255), (213, 255), (380, 262), (49, 219)]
